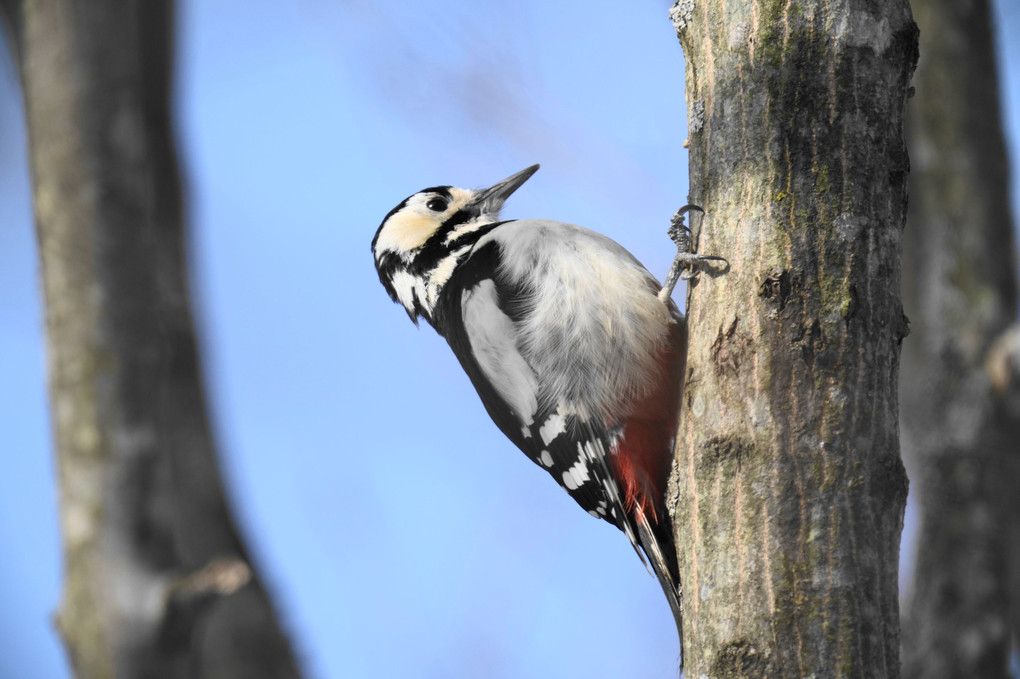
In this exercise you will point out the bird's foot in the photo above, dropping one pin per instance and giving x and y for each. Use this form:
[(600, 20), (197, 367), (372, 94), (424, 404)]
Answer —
[(686, 264)]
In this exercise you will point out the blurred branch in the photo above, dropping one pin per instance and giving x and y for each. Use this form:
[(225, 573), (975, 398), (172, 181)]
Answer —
[(1003, 367), (960, 292), (10, 11), (1002, 364), (157, 580)]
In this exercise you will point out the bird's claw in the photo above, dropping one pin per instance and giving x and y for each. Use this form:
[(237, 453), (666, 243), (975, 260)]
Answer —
[(678, 231), (690, 262), (686, 265)]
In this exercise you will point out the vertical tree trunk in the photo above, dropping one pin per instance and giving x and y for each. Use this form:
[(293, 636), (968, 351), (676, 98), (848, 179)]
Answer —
[(960, 290), (788, 488), (157, 581)]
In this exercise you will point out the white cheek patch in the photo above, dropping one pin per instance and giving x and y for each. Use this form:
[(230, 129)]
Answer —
[(405, 231), (493, 344)]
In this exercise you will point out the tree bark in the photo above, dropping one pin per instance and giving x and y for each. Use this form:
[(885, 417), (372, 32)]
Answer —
[(157, 581), (960, 291), (788, 488)]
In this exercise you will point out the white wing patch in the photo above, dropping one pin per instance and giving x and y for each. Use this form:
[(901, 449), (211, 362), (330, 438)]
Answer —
[(555, 425), (493, 338), (576, 475)]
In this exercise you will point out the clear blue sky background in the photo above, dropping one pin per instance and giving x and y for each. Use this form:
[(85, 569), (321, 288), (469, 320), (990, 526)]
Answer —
[(402, 534)]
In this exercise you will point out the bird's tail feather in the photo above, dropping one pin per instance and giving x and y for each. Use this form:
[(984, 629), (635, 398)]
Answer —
[(658, 546)]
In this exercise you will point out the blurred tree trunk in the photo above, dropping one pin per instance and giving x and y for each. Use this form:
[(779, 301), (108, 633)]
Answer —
[(960, 439), (157, 582), (789, 489)]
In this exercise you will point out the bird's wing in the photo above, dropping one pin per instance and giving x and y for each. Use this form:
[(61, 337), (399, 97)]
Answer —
[(476, 314)]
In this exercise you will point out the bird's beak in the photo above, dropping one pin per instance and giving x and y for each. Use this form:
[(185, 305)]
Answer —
[(489, 201)]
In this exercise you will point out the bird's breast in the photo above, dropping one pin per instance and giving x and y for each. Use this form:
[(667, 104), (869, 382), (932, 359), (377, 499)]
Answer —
[(591, 324)]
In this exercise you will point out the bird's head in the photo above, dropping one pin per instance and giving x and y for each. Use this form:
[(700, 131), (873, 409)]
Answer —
[(421, 240)]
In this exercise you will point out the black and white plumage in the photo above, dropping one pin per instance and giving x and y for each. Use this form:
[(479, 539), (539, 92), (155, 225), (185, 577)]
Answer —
[(563, 335)]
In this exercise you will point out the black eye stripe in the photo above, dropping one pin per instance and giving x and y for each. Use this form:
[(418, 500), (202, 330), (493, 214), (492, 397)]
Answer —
[(435, 249)]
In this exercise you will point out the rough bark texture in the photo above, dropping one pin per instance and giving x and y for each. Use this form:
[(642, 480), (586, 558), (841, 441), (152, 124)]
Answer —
[(157, 581), (788, 489), (961, 441)]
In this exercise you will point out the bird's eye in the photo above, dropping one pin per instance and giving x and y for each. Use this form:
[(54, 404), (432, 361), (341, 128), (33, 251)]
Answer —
[(436, 205)]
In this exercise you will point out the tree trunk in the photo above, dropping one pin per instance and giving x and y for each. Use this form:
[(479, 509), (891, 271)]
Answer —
[(788, 488), (157, 581), (960, 292)]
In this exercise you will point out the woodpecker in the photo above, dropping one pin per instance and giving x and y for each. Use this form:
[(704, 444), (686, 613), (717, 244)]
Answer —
[(576, 353)]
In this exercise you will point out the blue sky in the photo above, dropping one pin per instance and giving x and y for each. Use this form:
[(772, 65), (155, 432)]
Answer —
[(402, 534)]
